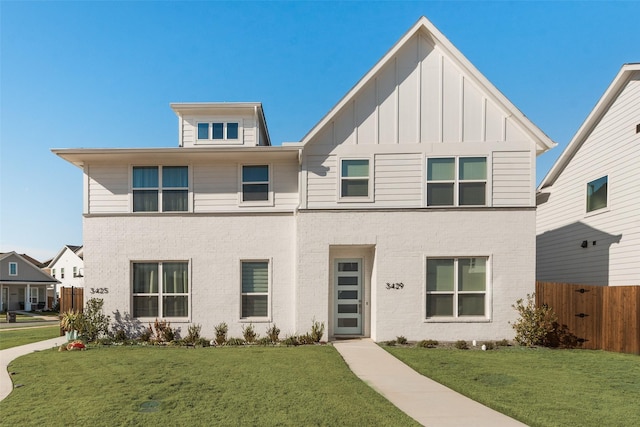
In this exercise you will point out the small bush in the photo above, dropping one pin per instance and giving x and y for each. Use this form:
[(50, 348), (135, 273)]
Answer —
[(221, 333), (462, 345), (264, 341), (427, 344), (235, 341), (146, 334), (120, 335), (391, 343), (489, 345), (306, 339), (503, 343), (291, 340), (161, 332), (401, 340), (273, 334), (193, 334), (317, 330), (202, 342), (249, 333), (535, 324), (96, 323)]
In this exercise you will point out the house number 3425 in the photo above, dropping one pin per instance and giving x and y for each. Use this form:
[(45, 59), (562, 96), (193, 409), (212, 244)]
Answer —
[(99, 290)]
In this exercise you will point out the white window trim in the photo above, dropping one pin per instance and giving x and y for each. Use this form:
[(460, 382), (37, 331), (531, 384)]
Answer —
[(356, 199), (267, 319), (456, 181), (159, 294), (12, 264), (160, 188), (488, 301), (270, 200), (225, 121), (586, 197)]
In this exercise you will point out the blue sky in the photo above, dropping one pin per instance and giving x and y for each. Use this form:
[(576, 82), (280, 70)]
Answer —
[(102, 74)]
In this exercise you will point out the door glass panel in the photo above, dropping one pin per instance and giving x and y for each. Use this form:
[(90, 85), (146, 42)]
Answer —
[(347, 308), (347, 266), (348, 322), (348, 280), (347, 294)]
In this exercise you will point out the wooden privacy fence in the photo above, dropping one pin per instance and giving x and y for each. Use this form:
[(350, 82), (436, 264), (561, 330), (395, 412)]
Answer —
[(71, 299), (602, 317)]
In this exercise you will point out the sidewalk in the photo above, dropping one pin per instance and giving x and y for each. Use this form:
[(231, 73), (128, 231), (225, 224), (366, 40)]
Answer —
[(426, 401), (6, 356)]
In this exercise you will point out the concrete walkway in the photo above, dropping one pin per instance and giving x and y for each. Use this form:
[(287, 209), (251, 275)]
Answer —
[(6, 356), (424, 400)]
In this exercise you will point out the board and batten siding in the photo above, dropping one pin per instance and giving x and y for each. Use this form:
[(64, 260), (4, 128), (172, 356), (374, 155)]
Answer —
[(420, 96), (108, 190), (612, 149)]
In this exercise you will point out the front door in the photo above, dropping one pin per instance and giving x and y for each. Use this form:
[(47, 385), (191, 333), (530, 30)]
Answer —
[(348, 297)]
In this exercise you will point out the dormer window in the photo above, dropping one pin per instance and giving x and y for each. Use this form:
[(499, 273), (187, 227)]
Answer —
[(218, 131)]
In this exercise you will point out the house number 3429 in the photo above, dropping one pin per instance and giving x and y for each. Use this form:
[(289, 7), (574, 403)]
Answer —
[(99, 290)]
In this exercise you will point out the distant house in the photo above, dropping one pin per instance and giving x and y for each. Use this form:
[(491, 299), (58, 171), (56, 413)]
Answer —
[(408, 209), (588, 222), (68, 267), (23, 285)]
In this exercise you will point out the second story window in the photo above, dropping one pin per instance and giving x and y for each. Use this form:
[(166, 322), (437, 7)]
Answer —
[(218, 131), (62, 273), (255, 183), (160, 186), (597, 194), (455, 181), (354, 178), (13, 269)]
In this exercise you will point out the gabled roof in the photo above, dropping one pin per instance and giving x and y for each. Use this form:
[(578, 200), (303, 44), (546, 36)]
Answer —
[(41, 276), (423, 25), (592, 120), (78, 250)]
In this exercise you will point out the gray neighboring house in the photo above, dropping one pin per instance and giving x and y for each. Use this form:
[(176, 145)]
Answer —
[(23, 285)]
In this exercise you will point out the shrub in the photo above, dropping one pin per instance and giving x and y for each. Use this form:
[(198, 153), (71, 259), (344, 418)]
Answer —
[(273, 333), (193, 334), (401, 340), (291, 340), (249, 333), (317, 330), (235, 341), (146, 334), (391, 343), (120, 335), (161, 332), (202, 342), (489, 345), (221, 333), (535, 324), (461, 345), (503, 343), (96, 323), (427, 343), (264, 341)]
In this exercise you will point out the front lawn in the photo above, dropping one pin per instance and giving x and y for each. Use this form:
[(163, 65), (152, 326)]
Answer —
[(147, 385), (540, 387), (26, 335)]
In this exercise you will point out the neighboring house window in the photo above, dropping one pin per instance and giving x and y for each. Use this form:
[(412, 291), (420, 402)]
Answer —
[(53, 272), (456, 287), (62, 273), (13, 269), (457, 181), (160, 186), (255, 289), (218, 131), (354, 178), (160, 289), (597, 194), (75, 271), (255, 183)]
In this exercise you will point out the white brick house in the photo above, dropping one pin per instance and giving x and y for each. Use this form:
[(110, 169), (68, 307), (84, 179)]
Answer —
[(409, 209)]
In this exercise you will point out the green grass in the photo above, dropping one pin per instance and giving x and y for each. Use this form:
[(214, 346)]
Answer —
[(257, 386), (540, 387), (25, 318), (27, 335)]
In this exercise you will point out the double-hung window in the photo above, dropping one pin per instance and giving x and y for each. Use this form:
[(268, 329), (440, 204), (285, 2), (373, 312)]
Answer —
[(457, 181), (355, 179), (156, 187), (160, 289), (13, 269), (255, 183), (62, 273), (597, 194), (219, 131), (457, 287), (255, 289)]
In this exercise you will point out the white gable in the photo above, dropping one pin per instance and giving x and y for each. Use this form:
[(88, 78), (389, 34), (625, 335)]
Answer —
[(424, 91)]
